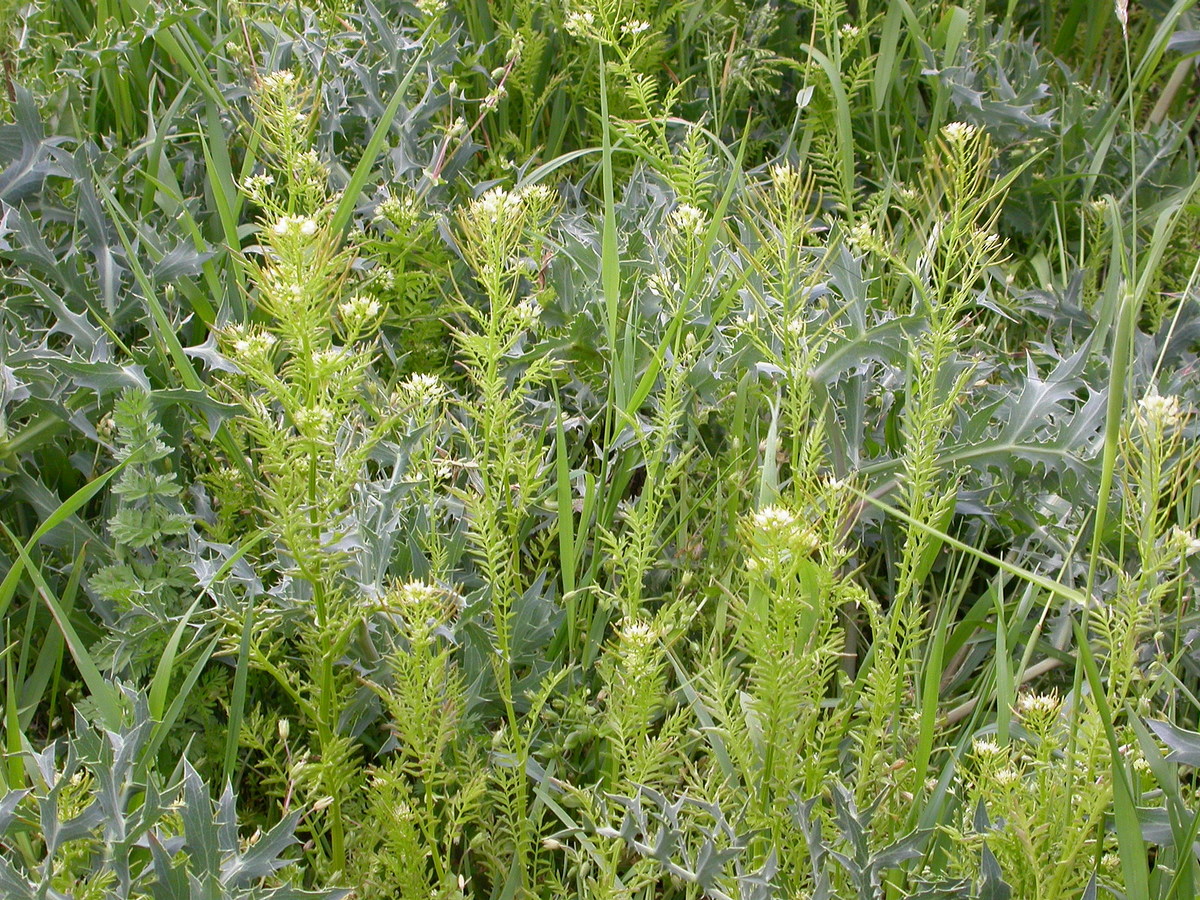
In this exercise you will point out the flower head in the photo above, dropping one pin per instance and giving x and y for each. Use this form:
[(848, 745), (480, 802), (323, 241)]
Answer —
[(422, 390), (1183, 542), (290, 226), (359, 311), (580, 23), (1160, 412), (959, 132), (688, 220)]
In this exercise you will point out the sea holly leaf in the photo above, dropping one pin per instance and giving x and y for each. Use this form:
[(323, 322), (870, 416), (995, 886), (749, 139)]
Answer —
[(263, 858), (170, 880), (126, 810), (32, 161), (180, 260), (1040, 399), (992, 885), (214, 411), (1184, 745), (212, 358), (199, 829), (17, 887), (1185, 41), (885, 342)]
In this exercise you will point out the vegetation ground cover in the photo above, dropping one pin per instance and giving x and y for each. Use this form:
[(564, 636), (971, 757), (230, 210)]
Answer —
[(609, 448)]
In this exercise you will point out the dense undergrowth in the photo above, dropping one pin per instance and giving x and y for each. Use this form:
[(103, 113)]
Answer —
[(606, 449)]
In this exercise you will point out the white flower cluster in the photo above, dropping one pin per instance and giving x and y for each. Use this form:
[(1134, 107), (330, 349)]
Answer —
[(249, 345), (1160, 412), (987, 748), (281, 287), (278, 82), (359, 311), (527, 312), (329, 362), (1039, 704), (959, 132), (638, 633), (780, 532), (1183, 542), (787, 179), (419, 596), (864, 238), (315, 421), (637, 648), (400, 212), (687, 219), (257, 187), (431, 8), (421, 390), (496, 205), (580, 23), (295, 225)]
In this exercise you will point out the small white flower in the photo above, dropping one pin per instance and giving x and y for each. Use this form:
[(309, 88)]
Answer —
[(277, 82), (660, 284), (419, 595), (359, 310), (393, 209), (580, 23), (789, 181), (772, 519), (495, 205), (986, 748), (637, 633), (863, 237), (959, 132), (779, 535), (689, 220), (1039, 704), (328, 362), (422, 390), (256, 186), (1184, 543), (431, 8), (314, 421), (1160, 412), (536, 196), (1007, 776), (250, 344), (291, 225), (527, 312)]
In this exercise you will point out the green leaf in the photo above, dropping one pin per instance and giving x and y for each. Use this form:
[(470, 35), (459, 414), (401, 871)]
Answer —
[(1183, 744), (103, 693)]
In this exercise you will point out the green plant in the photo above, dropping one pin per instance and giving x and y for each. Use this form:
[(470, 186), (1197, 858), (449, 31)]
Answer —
[(616, 448), (98, 822)]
